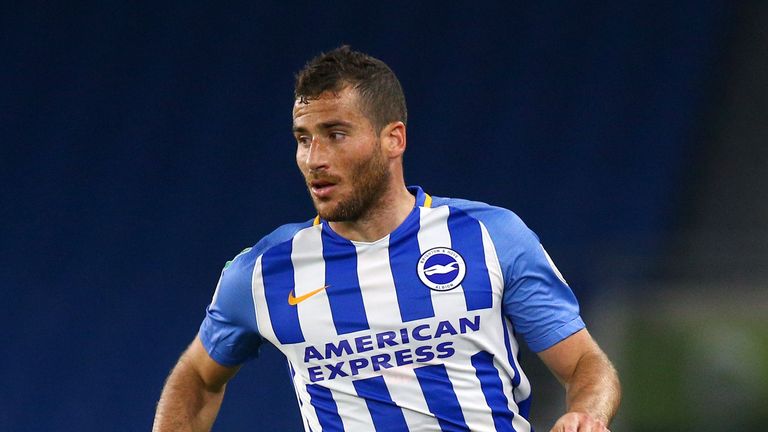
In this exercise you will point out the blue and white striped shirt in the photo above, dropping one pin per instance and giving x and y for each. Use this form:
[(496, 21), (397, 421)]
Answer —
[(413, 332)]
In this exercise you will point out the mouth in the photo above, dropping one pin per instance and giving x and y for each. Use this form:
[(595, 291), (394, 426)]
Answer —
[(322, 188)]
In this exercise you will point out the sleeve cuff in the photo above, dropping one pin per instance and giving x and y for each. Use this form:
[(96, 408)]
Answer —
[(556, 335)]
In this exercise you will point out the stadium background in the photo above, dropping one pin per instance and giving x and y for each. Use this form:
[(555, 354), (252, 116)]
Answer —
[(143, 145)]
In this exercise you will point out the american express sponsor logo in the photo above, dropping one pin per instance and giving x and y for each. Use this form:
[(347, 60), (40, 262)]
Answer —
[(419, 344)]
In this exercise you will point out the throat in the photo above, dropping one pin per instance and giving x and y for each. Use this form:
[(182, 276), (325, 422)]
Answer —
[(379, 221)]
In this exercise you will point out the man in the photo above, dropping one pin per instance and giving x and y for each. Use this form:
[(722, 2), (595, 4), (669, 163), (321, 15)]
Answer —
[(396, 310)]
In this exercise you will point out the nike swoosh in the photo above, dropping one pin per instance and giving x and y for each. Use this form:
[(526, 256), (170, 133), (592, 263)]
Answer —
[(293, 301)]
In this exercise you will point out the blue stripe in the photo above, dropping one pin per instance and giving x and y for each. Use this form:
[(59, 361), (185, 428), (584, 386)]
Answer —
[(467, 240), (510, 354), (441, 398), (277, 271), (343, 291), (385, 414), (525, 408), (493, 391), (325, 407), (413, 297)]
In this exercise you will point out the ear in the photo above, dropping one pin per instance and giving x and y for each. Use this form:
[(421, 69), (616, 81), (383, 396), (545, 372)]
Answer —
[(393, 139)]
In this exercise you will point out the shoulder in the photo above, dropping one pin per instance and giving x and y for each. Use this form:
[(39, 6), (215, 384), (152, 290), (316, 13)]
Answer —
[(513, 242), (245, 260), (499, 221), (280, 235)]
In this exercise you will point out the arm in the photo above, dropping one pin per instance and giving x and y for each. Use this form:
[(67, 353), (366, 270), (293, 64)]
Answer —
[(193, 392), (591, 383)]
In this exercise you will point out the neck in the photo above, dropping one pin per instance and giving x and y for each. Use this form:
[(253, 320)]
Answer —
[(381, 219)]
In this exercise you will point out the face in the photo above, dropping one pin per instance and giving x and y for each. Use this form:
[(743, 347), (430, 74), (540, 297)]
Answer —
[(340, 155)]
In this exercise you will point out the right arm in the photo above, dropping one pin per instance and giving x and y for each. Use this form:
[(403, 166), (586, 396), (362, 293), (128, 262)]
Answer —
[(193, 392)]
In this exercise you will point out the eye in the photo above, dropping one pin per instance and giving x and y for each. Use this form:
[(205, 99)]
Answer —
[(303, 140), (336, 136)]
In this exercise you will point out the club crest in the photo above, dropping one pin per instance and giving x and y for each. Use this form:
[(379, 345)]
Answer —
[(441, 269)]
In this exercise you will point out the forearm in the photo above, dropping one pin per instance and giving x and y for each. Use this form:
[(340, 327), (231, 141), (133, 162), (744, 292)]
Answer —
[(594, 387), (186, 403)]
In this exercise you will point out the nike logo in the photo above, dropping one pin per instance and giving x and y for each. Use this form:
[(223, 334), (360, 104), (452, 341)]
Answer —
[(293, 301)]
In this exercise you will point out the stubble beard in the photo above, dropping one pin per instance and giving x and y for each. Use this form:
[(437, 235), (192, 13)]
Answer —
[(371, 179)]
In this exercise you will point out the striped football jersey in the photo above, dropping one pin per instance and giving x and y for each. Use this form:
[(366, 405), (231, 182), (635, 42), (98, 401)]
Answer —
[(417, 331)]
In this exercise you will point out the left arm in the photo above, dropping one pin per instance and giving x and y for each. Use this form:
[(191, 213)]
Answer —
[(591, 383)]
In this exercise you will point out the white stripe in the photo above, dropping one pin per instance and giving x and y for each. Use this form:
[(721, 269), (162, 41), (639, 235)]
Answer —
[(523, 390), (352, 409), (469, 393), (377, 286), (299, 384), (553, 266), (495, 273), (518, 423), (216, 292), (307, 410), (405, 391), (309, 274), (434, 233), (263, 320)]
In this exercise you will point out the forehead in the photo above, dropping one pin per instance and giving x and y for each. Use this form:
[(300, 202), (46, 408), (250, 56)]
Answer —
[(343, 103)]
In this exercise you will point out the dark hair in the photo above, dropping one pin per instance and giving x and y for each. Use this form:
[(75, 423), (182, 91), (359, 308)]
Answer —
[(380, 94)]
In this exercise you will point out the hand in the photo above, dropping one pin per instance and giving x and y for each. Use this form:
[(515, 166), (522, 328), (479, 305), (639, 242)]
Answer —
[(579, 422)]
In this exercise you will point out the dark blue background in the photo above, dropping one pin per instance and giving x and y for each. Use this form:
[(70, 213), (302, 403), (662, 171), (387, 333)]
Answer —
[(143, 145)]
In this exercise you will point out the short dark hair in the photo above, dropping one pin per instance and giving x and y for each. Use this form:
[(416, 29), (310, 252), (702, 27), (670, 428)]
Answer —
[(381, 96)]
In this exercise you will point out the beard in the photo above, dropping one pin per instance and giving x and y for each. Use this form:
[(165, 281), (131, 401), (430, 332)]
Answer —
[(370, 180)]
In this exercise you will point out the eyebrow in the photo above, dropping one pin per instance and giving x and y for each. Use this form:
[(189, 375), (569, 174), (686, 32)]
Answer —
[(330, 124)]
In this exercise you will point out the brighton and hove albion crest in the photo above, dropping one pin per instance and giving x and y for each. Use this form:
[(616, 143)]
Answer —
[(441, 269)]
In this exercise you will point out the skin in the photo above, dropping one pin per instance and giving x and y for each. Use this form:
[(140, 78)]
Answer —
[(193, 392), (591, 383), (354, 175), (335, 143)]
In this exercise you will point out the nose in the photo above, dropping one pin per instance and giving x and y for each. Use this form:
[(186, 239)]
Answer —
[(317, 155)]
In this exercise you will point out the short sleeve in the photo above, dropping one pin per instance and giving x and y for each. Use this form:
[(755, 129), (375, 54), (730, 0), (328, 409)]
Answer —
[(537, 299), (229, 331)]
